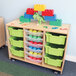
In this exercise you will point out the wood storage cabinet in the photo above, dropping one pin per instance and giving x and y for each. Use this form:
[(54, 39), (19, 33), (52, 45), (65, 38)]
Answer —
[(35, 44)]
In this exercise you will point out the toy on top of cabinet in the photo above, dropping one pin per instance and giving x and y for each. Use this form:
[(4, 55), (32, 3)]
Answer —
[(39, 18), (39, 7)]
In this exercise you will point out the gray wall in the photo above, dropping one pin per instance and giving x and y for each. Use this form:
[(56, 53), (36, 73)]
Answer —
[(65, 10)]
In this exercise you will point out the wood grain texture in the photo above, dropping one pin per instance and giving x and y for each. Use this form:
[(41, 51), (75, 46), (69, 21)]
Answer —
[(2, 32)]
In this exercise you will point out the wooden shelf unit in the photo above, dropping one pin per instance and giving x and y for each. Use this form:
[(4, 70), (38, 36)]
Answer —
[(34, 25), (2, 33)]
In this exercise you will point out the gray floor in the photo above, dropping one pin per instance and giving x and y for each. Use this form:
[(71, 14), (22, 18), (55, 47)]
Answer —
[(69, 68)]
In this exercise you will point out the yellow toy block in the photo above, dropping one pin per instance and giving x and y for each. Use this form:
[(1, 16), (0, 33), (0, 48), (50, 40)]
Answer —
[(39, 7)]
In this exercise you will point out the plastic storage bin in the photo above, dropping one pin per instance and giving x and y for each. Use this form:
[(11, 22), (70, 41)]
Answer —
[(16, 42), (37, 56), (33, 33), (32, 39), (53, 62), (55, 39), (36, 61), (33, 45), (54, 51), (37, 51), (15, 51), (15, 32)]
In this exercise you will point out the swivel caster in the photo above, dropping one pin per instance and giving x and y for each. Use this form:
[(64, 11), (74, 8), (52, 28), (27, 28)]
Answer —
[(13, 60), (55, 72)]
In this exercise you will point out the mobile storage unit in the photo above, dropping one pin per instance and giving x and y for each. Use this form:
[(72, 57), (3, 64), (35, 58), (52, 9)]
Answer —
[(32, 43)]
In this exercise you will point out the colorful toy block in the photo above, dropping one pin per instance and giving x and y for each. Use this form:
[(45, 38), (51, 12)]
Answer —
[(39, 7), (30, 11), (50, 18), (54, 27), (48, 12), (58, 22), (45, 27), (63, 29), (28, 16), (22, 19)]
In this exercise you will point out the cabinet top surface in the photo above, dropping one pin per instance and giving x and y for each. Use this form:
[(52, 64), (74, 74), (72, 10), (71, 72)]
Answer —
[(64, 29)]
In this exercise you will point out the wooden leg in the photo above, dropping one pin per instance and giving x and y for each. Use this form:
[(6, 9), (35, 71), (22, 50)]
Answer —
[(61, 72), (9, 57)]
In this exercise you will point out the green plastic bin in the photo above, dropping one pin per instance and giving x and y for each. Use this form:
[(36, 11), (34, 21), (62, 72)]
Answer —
[(15, 32), (15, 51), (54, 51), (55, 39), (53, 62), (16, 42)]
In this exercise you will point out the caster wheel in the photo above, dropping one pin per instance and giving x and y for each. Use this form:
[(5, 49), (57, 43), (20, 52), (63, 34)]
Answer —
[(2, 47), (13, 60), (56, 72)]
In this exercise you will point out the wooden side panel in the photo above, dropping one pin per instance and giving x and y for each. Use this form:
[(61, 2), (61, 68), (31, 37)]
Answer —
[(43, 47), (8, 43), (2, 33), (24, 44), (65, 52)]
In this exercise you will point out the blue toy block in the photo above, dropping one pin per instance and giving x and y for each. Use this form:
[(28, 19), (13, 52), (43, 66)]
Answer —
[(54, 27), (30, 47), (28, 16), (38, 48), (34, 48), (50, 18)]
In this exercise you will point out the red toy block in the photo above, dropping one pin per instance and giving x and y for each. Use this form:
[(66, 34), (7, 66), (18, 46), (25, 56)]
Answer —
[(30, 57), (38, 58), (63, 29), (31, 42), (30, 11), (34, 58), (39, 43), (48, 12), (35, 43)]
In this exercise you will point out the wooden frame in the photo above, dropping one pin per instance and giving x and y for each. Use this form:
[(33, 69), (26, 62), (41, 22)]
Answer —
[(35, 26), (2, 32)]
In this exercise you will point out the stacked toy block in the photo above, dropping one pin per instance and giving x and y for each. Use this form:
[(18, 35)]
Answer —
[(58, 22), (51, 17), (48, 12), (38, 7), (23, 19), (48, 15), (28, 15), (30, 11)]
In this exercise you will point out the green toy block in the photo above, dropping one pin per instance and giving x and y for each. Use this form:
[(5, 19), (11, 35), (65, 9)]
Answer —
[(54, 51), (53, 62), (58, 22), (15, 51), (15, 32), (22, 19), (17, 42), (55, 39), (45, 26)]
